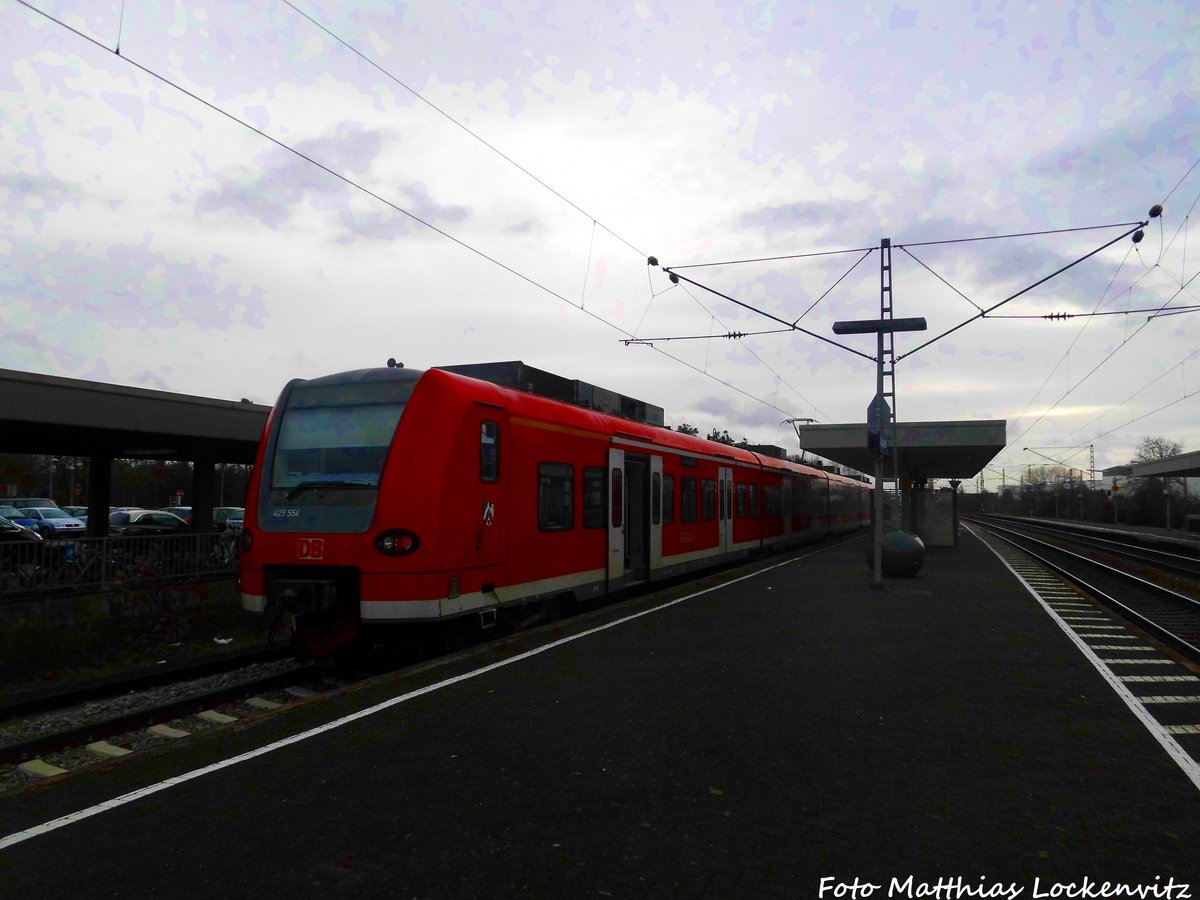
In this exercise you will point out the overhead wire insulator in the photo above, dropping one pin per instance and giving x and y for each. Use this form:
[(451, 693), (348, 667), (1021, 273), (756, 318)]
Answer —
[(652, 261), (1156, 210), (1138, 235)]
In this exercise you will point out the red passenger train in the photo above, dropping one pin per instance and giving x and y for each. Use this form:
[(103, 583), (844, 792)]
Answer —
[(385, 496)]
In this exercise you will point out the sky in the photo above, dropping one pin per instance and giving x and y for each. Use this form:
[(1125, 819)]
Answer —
[(214, 198)]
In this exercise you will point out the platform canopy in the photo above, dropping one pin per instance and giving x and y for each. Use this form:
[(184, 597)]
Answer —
[(926, 449), (1186, 464)]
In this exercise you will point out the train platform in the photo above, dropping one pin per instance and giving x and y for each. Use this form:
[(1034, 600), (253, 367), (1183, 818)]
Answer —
[(781, 731), (1158, 533)]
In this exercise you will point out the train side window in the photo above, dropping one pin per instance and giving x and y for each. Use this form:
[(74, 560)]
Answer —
[(753, 492), (668, 499), (741, 501), (687, 499), (655, 498), (774, 507), (593, 497), (708, 499), (556, 496), (489, 452)]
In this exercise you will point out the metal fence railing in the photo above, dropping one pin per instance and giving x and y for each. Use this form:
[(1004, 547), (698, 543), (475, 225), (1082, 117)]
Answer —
[(81, 564)]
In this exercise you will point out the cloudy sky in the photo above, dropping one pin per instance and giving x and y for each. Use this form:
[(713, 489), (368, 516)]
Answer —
[(251, 192)]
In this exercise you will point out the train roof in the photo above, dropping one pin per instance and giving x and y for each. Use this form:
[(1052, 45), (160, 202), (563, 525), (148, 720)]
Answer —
[(516, 374), (522, 403)]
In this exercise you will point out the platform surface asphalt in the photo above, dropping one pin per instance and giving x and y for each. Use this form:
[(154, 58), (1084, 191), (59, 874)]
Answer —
[(789, 734)]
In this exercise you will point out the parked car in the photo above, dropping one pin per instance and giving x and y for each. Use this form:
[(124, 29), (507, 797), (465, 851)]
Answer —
[(119, 518), (31, 502), (77, 511), (220, 514), (15, 515), (11, 531), (53, 522), (236, 519), (183, 512), (146, 521)]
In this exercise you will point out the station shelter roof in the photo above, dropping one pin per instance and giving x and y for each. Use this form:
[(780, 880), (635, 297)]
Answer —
[(53, 415), (1186, 464), (925, 449)]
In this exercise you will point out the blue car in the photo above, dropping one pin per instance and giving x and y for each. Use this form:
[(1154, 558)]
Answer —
[(55, 523)]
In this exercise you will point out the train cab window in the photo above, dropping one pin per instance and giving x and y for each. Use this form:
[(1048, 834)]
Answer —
[(593, 497), (556, 496), (687, 499), (708, 499), (655, 498), (668, 499), (741, 501), (489, 452)]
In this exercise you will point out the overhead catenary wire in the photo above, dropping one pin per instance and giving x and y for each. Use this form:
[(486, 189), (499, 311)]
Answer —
[(455, 122), (1057, 317), (984, 313), (1102, 362), (1179, 365), (490, 146), (1102, 302), (375, 196), (671, 271), (999, 237), (491, 259)]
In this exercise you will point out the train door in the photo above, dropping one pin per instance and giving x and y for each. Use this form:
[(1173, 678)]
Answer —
[(787, 504), (725, 507), (629, 518), (656, 512), (489, 428), (616, 518), (637, 517)]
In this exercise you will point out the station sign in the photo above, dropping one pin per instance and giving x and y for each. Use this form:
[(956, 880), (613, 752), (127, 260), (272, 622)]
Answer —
[(879, 413)]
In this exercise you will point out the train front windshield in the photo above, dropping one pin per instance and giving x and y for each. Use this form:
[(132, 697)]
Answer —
[(329, 450)]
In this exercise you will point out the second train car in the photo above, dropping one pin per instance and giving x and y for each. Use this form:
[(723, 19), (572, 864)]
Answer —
[(387, 496)]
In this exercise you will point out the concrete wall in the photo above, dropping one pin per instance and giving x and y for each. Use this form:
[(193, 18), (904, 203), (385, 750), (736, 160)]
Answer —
[(41, 635)]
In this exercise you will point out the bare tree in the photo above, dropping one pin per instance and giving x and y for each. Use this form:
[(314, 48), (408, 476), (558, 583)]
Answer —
[(1150, 498), (1153, 448)]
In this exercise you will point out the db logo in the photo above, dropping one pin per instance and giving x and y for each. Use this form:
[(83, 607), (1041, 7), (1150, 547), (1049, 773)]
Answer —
[(312, 548)]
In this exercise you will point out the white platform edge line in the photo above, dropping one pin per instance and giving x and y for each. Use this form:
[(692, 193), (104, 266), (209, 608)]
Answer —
[(1190, 767), (125, 799)]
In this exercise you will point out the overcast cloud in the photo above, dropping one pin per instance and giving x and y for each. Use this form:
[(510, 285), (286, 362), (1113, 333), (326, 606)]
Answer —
[(153, 241)]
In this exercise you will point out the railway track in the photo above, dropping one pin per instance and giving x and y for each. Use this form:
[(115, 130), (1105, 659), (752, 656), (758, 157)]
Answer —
[(1157, 591), (48, 736)]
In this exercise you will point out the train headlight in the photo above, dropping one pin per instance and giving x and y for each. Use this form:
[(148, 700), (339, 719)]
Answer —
[(397, 542)]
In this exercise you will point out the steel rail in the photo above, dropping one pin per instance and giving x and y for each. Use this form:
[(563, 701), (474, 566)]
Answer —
[(184, 706), (1180, 643), (1164, 559)]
